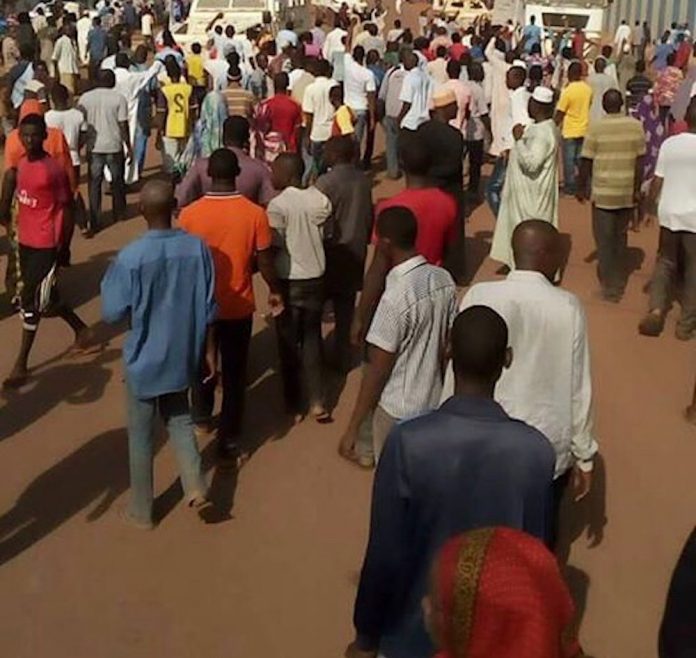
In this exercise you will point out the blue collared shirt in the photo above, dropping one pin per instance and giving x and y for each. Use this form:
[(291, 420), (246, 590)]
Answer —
[(164, 284), (467, 465)]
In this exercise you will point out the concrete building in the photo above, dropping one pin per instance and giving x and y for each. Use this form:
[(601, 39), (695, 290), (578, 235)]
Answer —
[(660, 14)]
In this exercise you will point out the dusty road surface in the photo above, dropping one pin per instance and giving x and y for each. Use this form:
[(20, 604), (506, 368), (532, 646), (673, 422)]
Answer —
[(277, 579)]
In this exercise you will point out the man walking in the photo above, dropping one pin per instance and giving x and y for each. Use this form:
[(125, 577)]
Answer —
[(237, 231), (346, 237), (612, 157), (674, 186), (466, 465), (407, 336), (106, 113), (318, 115), (165, 344), (531, 183), (416, 91), (547, 324), (297, 217), (44, 217), (254, 180), (390, 107), (360, 91), (573, 115), (96, 48)]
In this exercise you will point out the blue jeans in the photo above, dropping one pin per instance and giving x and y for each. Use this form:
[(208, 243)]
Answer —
[(116, 164), (173, 408), (317, 151), (494, 187), (571, 156), (360, 128), (391, 137), (140, 147)]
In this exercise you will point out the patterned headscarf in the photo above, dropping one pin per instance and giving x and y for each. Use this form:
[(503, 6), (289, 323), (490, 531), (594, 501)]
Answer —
[(498, 592)]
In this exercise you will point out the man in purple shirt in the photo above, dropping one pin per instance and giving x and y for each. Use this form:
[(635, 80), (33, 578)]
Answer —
[(254, 181)]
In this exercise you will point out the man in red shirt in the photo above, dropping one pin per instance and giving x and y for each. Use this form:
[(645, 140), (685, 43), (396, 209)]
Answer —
[(283, 114), (436, 215), (44, 202)]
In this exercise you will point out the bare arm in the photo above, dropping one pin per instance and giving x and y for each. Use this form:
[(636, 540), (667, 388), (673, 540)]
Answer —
[(9, 183), (268, 271), (558, 117), (376, 375), (125, 137), (373, 286), (405, 107)]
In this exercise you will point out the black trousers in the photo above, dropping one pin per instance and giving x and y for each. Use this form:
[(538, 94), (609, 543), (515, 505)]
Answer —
[(474, 151), (344, 310), (560, 484), (299, 342), (233, 338), (610, 228)]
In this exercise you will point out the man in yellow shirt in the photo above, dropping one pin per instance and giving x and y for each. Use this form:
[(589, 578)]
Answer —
[(196, 72), (573, 115), (176, 113)]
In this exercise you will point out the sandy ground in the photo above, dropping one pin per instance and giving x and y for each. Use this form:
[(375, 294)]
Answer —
[(278, 579)]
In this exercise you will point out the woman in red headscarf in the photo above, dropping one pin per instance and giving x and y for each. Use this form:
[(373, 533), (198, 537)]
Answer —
[(499, 592)]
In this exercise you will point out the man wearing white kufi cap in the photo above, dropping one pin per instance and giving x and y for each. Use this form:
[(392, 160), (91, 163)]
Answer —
[(531, 184)]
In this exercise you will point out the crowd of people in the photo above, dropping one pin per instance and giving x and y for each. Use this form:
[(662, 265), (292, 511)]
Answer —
[(477, 413)]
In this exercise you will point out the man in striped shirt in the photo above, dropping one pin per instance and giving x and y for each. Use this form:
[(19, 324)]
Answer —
[(240, 102), (612, 156), (406, 341)]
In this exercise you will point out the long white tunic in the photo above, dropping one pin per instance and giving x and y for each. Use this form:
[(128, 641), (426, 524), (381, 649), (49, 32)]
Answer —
[(531, 186)]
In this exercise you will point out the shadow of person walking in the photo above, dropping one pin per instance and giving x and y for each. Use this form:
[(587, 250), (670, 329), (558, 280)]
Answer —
[(97, 472), (74, 383)]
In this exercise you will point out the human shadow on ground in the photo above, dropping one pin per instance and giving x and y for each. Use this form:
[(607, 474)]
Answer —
[(97, 472), (586, 518), (79, 283), (80, 382), (477, 247)]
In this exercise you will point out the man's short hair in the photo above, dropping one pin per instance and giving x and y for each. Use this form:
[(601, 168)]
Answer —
[(479, 341), (33, 120), (236, 130), (223, 165), (415, 159), (399, 226)]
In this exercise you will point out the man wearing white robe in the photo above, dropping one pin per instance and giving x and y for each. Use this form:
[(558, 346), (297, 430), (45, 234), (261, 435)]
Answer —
[(531, 183), (129, 84)]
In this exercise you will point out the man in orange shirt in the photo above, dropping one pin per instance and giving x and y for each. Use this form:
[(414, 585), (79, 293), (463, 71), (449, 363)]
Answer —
[(236, 230)]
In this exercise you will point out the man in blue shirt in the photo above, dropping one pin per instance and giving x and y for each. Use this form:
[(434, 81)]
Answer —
[(531, 35), (163, 284), (96, 47), (662, 52), (467, 465)]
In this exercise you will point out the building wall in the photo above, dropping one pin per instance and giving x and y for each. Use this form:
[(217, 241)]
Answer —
[(659, 13)]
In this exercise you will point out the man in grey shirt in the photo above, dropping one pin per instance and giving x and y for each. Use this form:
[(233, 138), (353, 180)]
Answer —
[(346, 237), (106, 112)]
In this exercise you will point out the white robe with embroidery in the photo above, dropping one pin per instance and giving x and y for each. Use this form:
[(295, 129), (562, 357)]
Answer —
[(531, 186)]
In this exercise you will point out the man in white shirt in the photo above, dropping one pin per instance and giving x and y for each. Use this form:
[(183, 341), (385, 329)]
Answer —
[(395, 33), (407, 338), (333, 43), (437, 69), (286, 37), (548, 385), (318, 114), (415, 96), (297, 218), (674, 186), (389, 93), (622, 38), (359, 92), (65, 58)]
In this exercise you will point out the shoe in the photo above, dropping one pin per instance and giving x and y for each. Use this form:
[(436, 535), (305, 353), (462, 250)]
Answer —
[(652, 325), (685, 333)]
